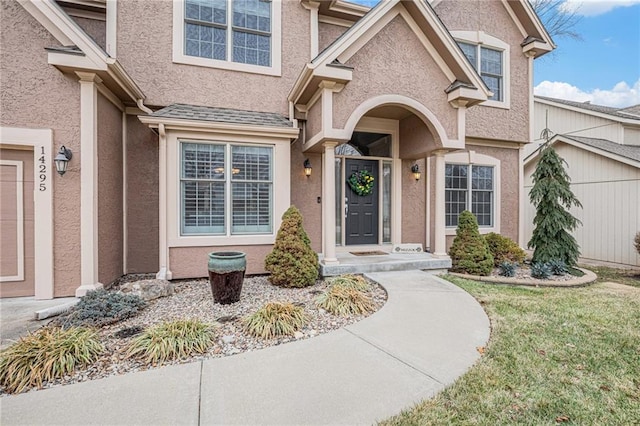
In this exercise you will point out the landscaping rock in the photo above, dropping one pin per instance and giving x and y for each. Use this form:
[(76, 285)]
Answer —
[(148, 289)]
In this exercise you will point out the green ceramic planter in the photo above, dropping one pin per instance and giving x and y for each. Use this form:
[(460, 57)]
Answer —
[(226, 274)]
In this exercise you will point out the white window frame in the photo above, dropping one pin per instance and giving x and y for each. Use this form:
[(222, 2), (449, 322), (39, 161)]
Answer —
[(276, 43), (471, 158), (482, 39), (281, 182)]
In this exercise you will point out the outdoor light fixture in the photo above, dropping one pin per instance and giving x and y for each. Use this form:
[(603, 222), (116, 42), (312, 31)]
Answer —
[(416, 171), (307, 167), (61, 160)]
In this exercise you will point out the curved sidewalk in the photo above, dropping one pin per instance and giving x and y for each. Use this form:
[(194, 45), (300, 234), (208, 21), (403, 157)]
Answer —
[(424, 338)]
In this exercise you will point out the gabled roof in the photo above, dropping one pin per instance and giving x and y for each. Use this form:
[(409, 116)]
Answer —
[(628, 114), (628, 154), (454, 64), (223, 115)]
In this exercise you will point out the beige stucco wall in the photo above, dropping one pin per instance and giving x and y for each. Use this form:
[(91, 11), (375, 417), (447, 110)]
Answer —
[(142, 197), (313, 125), (380, 68), (305, 192), (145, 50), (96, 29), (191, 262), (416, 141), (492, 18), (327, 33), (109, 191), (413, 204), (36, 95)]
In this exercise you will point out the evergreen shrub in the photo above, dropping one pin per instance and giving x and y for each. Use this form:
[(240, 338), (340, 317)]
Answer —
[(470, 252), (292, 262), (101, 307), (504, 249)]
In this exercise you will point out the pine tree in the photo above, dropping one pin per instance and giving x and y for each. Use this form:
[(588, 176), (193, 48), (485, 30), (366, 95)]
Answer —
[(551, 195), (292, 262), (469, 251)]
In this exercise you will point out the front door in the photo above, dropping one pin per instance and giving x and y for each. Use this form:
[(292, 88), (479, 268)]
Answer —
[(361, 221)]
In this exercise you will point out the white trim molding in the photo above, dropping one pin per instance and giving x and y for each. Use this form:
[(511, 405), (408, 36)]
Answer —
[(180, 57), (41, 141), (19, 175)]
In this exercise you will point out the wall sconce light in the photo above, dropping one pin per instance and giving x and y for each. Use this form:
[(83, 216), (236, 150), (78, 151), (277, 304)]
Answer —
[(61, 160), (307, 167), (416, 171)]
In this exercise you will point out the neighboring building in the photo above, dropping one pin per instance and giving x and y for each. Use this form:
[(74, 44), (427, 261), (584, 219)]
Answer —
[(189, 123), (601, 146)]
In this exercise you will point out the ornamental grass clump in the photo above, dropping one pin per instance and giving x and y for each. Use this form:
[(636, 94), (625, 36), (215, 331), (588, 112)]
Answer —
[(292, 262), (470, 252), (47, 354), (101, 307), (172, 340), (345, 300), (357, 282), (275, 319)]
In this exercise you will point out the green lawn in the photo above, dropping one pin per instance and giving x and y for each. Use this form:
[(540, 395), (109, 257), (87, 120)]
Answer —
[(555, 356), (623, 276)]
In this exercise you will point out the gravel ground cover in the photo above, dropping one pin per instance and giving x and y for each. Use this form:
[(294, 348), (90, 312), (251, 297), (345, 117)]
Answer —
[(193, 300)]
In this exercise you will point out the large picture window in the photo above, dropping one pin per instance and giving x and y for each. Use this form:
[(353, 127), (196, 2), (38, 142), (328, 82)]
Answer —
[(469, 187), (229, 30), (221, 181)]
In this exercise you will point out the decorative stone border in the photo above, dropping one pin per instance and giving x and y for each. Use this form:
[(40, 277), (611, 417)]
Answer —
[(582, 281)]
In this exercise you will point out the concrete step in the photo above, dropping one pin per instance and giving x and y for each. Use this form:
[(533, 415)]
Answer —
[(351, 264)]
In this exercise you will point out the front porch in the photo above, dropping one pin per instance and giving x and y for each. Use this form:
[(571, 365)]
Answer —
[(349, 263)]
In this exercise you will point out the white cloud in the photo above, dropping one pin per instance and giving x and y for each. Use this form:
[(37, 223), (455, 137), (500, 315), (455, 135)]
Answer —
[(594, 7), (621, 95)]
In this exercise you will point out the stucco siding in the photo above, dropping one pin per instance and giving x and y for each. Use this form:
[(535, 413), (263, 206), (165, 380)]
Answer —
[(380, 68), (492, 18), (327, 33), (96, 29), (145, 37), (191, 262), (109, 191), (413, 204), (305, 192), (142, 197), (37, 95), (610, 195)]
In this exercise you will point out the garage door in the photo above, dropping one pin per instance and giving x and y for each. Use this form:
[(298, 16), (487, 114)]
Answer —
[(16, 223)]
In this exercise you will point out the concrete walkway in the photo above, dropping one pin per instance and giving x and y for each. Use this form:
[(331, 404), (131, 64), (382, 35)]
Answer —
[(423, 339)]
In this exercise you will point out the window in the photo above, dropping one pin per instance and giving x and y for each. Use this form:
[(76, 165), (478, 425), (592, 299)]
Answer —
[(242, 35), (488, 62), (469, 185), (219, 181)]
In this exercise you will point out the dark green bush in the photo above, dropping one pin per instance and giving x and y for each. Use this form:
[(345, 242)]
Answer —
[(508, 269), (102, 307), (558, 267), (504, 249), (540, 270), (292, 262), (469, 252), (636, 242)]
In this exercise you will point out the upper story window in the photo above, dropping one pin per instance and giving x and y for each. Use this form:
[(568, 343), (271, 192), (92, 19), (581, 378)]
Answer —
[(490, 58), (242, 35), (488, 63)]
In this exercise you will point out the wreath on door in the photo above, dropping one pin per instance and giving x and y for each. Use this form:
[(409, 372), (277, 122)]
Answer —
[(361, 182)]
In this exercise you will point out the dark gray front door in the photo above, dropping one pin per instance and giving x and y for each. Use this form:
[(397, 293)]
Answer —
[(361, 211)]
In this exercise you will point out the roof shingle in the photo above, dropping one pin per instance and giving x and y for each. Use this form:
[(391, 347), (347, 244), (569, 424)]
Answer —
[(616, 112), (223, 115), (631, 152)]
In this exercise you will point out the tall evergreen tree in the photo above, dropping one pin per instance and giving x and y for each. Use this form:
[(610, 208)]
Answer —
[(552, 196)]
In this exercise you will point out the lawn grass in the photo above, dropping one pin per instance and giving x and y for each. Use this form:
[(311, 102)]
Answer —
[(622, 276), (555, 356)]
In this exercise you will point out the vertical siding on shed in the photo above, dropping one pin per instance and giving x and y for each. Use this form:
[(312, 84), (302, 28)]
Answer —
[(610, 195)]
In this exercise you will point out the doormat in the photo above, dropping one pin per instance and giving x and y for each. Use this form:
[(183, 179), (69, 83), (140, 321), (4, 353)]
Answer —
[(368, 253)]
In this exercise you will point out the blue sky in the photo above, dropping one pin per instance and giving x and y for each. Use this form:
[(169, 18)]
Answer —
[(603, 67)]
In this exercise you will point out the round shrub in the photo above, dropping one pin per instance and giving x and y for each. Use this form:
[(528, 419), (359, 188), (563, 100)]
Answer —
[(540, 270), (102, 307), (292, 262), (504, 249), (469, 252), (508, 269)]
